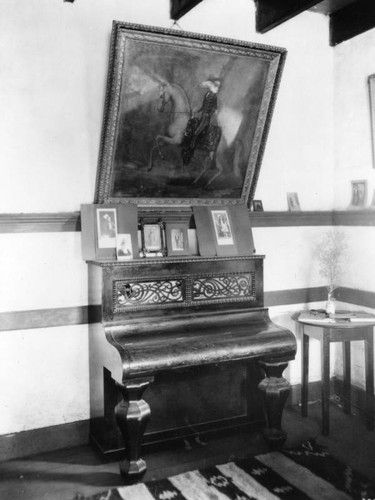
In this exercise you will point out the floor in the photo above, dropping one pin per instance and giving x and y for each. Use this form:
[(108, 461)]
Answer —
[(64, 473)]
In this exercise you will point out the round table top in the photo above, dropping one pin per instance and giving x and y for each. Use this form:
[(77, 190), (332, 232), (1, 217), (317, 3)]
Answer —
[(355, 320)]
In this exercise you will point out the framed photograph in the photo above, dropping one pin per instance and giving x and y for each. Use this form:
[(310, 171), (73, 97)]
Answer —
[(372, 206), (101, 227), (257, 206), (359, 194), (177, 238), (106, 219), (371, 84), (181, 7), (222, 227), (124, 249), (186, 117), (153, 239), (293, 202)]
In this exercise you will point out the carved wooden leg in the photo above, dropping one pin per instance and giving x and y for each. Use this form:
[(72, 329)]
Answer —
[(347, 376), (275, 391), (369, 364), (132, 415), (325, 367), (305, 372)]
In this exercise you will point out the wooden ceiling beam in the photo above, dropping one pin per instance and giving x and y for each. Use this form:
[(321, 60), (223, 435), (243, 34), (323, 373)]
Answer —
[(351, 21), (179, 8), (272, 13)]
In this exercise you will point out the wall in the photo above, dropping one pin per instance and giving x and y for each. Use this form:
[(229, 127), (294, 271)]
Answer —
[(53, 86), (354, 62), (54, 63)]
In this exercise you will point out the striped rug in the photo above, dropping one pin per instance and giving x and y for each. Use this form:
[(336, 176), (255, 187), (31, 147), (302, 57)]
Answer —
[(307, 472)]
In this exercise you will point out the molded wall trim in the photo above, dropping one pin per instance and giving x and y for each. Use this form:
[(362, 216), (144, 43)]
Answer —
[(71, 222), (65, 316), (49, 318), (45, 439), (32, 442)]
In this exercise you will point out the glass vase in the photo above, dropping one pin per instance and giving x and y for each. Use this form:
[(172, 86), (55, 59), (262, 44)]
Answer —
[(331, 304)]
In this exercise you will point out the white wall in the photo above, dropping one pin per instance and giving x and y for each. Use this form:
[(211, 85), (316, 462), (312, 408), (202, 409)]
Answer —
[(43, 377), (52, 86), (354, 62), (54, 64)]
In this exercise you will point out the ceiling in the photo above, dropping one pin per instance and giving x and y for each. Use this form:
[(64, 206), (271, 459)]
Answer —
[(347, 18), (329, 6)]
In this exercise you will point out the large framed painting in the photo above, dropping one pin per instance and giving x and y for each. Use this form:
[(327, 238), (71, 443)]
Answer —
[(186, 117)]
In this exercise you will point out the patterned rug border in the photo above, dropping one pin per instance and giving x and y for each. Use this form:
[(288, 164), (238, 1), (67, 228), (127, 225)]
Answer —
[(308, 471)]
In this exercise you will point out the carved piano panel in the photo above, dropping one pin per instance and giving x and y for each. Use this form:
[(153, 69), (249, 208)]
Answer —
[(141, 285)]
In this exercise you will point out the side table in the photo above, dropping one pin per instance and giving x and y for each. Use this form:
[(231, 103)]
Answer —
[(337, 331)]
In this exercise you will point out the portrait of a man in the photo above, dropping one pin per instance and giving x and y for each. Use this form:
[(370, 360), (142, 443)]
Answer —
[(106, 227), (223, 230)]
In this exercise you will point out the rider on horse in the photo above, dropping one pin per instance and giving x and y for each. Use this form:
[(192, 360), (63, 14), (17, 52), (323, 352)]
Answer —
[(199, 127), (208, 108)]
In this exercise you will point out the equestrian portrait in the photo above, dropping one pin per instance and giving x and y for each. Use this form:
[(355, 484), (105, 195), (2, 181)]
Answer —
[(196, 133)]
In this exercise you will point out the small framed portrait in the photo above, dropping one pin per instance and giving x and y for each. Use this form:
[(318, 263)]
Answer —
[(222, 227), (293, 202), (372, 206), (177, 238), (371, 83), (153, 239), (359, 194), (106, 219), (124, 249), (257, 206)]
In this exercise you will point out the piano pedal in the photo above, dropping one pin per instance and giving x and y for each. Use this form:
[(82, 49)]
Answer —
[(197, 440), (187, 445)]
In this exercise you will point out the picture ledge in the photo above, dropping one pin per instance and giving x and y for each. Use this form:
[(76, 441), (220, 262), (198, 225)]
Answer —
[(71, 221)]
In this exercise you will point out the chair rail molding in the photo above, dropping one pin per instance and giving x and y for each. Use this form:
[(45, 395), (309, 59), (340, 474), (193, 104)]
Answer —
[(71, 221)]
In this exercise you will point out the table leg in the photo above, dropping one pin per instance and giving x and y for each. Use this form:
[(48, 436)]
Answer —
[(369, 363), (347, 376), (305, 372), (325, 381)]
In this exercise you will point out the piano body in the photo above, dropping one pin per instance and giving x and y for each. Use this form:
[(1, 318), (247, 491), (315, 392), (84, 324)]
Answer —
[(163, 319)]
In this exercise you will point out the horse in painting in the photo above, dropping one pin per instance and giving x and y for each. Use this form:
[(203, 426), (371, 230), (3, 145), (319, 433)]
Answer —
[(180, 130)]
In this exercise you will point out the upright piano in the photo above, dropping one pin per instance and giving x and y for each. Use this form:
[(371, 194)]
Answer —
[(162, 319)]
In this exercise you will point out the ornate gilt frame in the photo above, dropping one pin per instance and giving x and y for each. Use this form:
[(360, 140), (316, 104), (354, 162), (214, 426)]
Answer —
[(136, 166)]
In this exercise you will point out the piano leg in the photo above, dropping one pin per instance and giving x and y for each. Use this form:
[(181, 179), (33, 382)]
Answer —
[(132, 415), (275, 391)]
